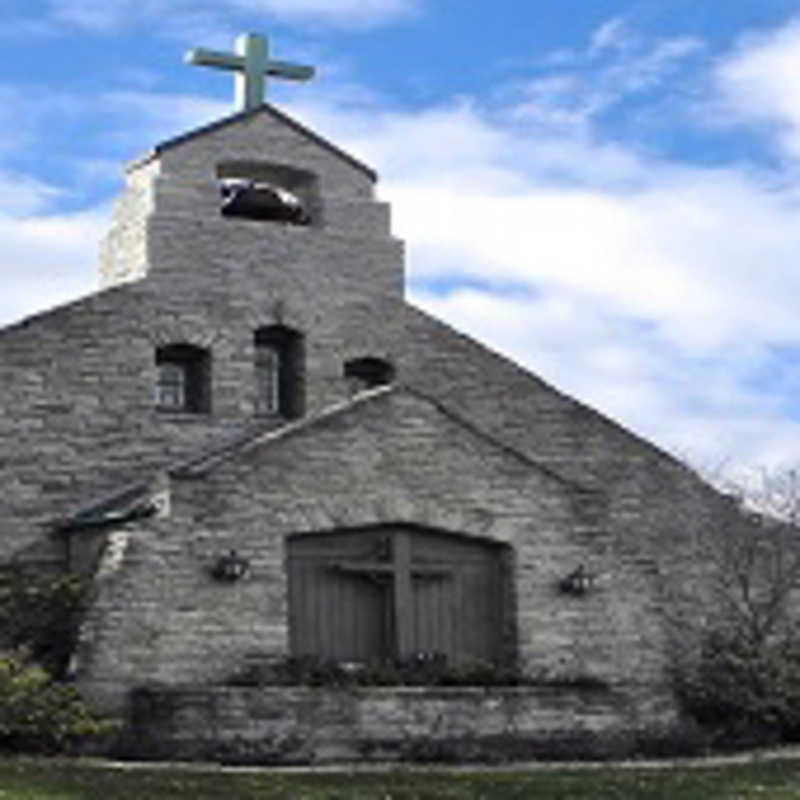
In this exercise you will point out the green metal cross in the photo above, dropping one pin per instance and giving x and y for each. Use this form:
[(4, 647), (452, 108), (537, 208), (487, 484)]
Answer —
[(251, 63)]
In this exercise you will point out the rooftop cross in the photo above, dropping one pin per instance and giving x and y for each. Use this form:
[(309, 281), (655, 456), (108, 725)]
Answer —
[(251, 63)]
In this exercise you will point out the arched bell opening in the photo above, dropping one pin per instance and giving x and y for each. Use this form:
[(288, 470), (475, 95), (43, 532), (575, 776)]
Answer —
[(268, 192)]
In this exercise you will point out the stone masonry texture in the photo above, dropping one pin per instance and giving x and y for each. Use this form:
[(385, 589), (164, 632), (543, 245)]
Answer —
[(241, 726), (464, 442)]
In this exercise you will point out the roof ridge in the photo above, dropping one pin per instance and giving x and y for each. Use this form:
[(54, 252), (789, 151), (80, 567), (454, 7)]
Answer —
[(461, 420), (527, 374), (199, 465), (281, 116)]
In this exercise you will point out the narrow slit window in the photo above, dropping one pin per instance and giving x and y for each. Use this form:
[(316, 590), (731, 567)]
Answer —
[(268, 370), (279, 372)]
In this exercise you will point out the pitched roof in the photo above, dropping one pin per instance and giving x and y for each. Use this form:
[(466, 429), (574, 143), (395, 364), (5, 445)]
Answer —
[(199, 465), (266, 108), (128, 503), (203, 463)]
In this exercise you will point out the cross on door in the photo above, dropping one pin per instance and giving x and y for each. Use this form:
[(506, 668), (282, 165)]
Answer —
[(398, 570), (251, 62)]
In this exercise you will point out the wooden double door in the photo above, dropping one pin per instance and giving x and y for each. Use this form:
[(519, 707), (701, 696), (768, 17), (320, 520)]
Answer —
[(392, 592)]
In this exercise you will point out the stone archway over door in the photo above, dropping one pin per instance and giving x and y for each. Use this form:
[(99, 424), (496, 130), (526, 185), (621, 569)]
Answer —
[(394, 590)]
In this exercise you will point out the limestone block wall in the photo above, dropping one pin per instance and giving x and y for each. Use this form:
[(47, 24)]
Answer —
[(76, 416), (160, 614), (123, 251), (391, 459), (76, 407), (319, 264), (296, 724), (78, 421)]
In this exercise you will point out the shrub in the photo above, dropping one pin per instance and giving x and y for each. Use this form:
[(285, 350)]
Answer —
[(36, 713), (43, 615), (422, 669), (744, 693)]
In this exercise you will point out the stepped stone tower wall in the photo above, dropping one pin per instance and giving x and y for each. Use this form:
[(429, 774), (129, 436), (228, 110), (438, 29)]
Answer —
[(172, 196)]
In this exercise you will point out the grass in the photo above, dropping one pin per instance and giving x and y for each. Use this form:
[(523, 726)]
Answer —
[(42, 779)]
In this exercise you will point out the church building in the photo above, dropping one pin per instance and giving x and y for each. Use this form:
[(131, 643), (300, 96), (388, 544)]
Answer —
[(255, 447)]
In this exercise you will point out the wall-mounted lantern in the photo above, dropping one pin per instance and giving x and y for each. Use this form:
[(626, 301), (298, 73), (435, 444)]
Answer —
[(230, 567), (578, 582)]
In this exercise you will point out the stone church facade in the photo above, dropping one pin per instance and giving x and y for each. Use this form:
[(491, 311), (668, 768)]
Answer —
[(255, 447)]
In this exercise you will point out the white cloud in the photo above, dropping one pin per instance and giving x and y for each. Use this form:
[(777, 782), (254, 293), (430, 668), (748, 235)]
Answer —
[(358, 12), (652, 289), (48, 260), (175, 15), (698, 252), (151, 117), (702, 409), (615, 34), (21, 195), (49, 257), (759, 82), (90, 14), (618, 63)]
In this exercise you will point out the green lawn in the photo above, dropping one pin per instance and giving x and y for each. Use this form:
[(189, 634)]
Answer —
[(29, 779)]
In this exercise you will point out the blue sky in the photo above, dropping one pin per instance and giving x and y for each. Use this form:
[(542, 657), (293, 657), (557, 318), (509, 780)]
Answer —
[(608, 192)]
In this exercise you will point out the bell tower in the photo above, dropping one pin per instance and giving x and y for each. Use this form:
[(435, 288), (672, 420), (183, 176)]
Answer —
[(253, 191)]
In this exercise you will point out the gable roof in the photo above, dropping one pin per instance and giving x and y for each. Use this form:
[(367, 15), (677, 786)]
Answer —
[(130, 502), (437, 343), (266, 108), (74, 305), (201, 465)]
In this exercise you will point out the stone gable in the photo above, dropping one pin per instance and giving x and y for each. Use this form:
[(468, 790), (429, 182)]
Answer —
[(392, 458)]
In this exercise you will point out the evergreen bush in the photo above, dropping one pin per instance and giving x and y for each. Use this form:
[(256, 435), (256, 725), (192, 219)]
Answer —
[(744, 694), (43, 615), (38, 714)]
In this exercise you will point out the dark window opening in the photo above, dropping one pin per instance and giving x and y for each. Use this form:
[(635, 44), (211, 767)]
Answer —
[(183, 379), (262, 191), (368, 372), (279, 372)]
